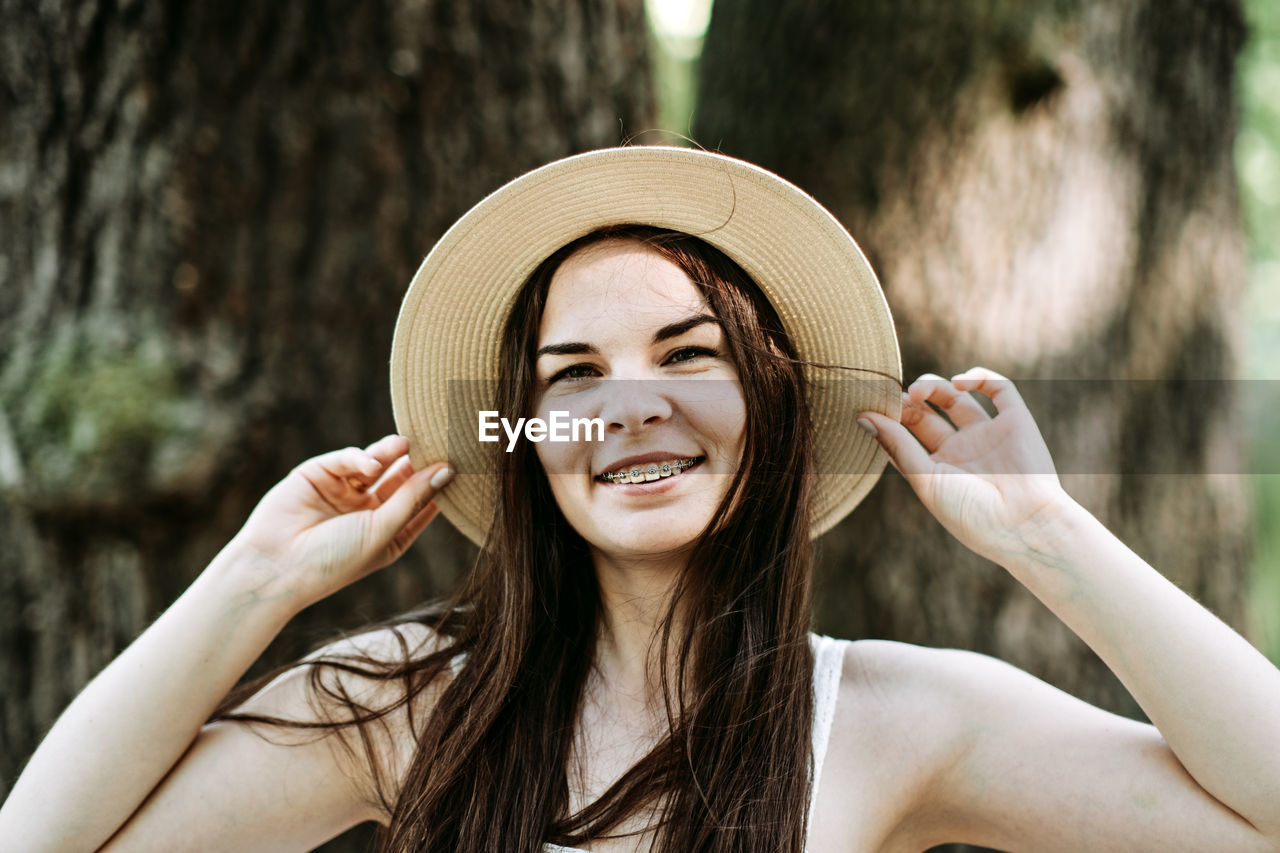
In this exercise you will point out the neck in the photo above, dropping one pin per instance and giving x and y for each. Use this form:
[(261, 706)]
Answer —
[(634, 598)]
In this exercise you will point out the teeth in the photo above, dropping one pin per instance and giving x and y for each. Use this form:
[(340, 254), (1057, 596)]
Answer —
[(650, 472)]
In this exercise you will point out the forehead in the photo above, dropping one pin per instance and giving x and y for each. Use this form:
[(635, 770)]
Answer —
[(617, 282)]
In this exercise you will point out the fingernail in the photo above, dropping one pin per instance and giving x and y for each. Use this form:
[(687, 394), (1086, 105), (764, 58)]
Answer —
[(869, 427), (441, 478)]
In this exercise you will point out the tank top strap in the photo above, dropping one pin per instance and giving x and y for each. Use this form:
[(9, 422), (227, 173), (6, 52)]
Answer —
[(828, 664)]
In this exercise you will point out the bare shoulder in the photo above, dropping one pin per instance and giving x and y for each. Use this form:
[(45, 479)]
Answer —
[(352, 667), (384, 646), (902, 719), (933, 702), (897, 685), (903, 675), (346, 681)]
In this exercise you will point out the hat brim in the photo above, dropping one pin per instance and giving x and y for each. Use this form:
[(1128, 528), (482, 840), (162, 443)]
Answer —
[(812, 271)]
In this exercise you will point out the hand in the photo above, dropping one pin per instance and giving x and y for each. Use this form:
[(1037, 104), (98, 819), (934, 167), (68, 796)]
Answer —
[(985, 479), (337, 518)]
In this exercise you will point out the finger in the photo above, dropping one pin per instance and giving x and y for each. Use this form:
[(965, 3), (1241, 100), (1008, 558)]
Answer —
[(923, 386), (959, 406), (406, 536), (992, 384), (929, 428), (350, 467), (414, 528), (410, 499), (388, 449), (393, 478), (911, 460)]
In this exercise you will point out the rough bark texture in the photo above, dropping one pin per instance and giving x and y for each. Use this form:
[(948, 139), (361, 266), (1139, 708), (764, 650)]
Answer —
[(209, 214), (1046, 189)]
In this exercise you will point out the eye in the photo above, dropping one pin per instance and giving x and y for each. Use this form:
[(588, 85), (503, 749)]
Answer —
[(573, 372), (689, 353)]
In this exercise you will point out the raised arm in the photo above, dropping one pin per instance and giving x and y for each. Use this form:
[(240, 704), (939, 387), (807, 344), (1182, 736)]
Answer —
[(1210, 694), (334, 519)]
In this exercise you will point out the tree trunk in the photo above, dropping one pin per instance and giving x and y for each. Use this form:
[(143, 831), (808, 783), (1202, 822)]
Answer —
[(1045, 189), (210, 213)]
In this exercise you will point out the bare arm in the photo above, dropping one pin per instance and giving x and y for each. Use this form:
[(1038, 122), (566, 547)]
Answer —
[(335, 518), (1211, 696)]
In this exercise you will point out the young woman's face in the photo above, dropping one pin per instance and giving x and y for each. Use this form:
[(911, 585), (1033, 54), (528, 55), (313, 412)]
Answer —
[(626, 337)]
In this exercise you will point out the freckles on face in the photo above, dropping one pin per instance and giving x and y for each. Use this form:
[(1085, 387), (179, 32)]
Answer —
[(627, 338)]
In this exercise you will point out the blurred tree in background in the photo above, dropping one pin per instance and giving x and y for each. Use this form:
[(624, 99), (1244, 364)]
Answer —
[(210, 213), (1048, 190)]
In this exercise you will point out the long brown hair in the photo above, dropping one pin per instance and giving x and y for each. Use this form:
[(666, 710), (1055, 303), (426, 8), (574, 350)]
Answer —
[(732, 773)]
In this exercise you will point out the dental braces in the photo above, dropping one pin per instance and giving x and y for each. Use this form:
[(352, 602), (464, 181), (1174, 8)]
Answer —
[(653, 471)]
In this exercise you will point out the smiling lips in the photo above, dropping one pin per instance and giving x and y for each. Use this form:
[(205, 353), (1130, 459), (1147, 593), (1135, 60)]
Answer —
[(649, 471)]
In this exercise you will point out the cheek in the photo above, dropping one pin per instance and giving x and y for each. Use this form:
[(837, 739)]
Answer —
[(722, 416), (562, 454), (558, 458)]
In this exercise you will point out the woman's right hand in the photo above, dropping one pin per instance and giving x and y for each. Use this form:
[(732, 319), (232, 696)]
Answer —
[(336, 518)]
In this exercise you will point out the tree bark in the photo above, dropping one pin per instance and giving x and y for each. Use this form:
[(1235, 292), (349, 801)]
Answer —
[(1048, 190), (210, 213)]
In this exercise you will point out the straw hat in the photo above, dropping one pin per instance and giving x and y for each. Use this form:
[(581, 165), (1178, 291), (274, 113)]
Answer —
[(447, 335)]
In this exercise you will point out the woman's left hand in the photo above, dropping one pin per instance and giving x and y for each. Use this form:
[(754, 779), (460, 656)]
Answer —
[(987, 479)]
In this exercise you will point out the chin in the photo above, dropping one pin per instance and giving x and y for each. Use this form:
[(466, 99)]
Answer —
[(652, 539)]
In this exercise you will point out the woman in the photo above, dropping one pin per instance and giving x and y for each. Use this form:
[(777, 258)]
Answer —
[(628, 666)]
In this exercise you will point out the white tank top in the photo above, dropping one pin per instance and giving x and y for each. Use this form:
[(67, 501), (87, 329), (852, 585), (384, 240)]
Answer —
[(828, 663)]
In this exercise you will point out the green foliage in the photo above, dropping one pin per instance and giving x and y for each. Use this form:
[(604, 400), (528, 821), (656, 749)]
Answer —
[(676, 30), (1258, 145), (86, 416), (1258, 164)]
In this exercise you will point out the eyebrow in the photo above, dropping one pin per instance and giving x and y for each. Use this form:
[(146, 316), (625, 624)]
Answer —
[(666, 333)]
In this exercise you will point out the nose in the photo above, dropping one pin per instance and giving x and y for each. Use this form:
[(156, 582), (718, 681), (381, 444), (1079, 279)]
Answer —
[(631, 405)]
